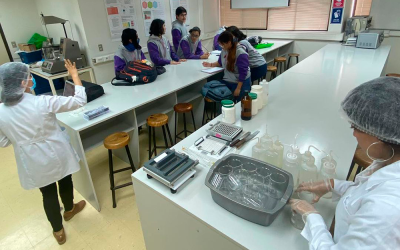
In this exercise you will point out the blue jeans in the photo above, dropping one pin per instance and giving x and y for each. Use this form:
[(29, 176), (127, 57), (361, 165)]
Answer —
[(232, 86), (258, 72)]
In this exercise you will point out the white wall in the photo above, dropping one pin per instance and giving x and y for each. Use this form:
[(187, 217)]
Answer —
[(20, 21)]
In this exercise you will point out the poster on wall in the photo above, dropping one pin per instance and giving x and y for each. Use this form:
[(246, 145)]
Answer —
[(338, 3), (120, 15), (337, 14), (175, 4), (152, 10)]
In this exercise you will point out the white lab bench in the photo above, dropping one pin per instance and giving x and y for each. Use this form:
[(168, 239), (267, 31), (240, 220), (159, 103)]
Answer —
[(131, 105), (51, 77), (305, 100)]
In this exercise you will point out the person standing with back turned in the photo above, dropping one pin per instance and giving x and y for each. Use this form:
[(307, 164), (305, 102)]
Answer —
[(178, 27), (43, 153)]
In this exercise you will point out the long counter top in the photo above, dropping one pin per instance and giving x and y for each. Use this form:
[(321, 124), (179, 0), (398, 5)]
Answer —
[(304, 100)]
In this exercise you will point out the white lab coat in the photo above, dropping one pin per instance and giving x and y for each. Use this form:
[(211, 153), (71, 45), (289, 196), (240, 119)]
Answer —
[(43, 153), (367, 215)]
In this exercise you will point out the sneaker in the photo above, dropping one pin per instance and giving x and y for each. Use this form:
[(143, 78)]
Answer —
[(60, 236), (76, 209)]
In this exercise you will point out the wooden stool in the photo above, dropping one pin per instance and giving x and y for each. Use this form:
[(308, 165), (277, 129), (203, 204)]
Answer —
[(280, 63), (183, 108), (361, 159), (210, 114), (117, 141), (290, 56), (158, 120), (273, 70), (393, 75)]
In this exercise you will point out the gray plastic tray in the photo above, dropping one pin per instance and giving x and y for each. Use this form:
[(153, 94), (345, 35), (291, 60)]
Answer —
[(262, 216)]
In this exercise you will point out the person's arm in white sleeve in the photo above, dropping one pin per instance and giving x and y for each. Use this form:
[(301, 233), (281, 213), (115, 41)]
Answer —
[(374, 225), (4, 141), (339, 188), (59, 104)]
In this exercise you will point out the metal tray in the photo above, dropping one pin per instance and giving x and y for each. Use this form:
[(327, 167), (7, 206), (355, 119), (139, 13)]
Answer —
[(262, 216)]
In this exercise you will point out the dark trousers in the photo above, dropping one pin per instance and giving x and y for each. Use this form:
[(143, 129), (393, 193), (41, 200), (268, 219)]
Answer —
[(258, 72), (51, 204), (232, 86)]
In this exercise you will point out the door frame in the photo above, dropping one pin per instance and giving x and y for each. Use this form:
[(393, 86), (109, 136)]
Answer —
[(3, 36)]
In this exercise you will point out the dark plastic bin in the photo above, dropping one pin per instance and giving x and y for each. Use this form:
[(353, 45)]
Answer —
[(30, 57), (43, 85)]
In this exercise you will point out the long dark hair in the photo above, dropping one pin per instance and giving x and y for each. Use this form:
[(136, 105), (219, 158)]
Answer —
[(226, 37), (156, 27), (130, 34), (236, 32)]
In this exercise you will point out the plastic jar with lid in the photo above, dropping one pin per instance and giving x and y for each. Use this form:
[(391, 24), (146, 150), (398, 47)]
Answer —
[(254, 103), (228, 111), (259, 91)]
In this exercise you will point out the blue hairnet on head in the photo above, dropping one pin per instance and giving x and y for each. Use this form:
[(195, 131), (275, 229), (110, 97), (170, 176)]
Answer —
[(14, 78), (374, 108)]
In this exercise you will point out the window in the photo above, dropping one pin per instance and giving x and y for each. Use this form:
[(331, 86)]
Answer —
[(246, 18), (362, 7), (300, 15)]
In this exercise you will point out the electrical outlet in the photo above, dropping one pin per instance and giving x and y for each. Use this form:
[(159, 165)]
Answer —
[(100, 59), (100, 47), (108, 58), (14, 44)]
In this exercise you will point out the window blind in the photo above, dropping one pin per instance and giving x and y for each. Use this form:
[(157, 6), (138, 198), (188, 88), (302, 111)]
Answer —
[(362, 7), (242, 18)]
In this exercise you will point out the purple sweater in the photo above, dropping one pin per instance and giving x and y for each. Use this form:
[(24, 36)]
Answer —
[(242, 64), (188, 54), (120, 60), (216, 44), (156, 57), (176, 38)]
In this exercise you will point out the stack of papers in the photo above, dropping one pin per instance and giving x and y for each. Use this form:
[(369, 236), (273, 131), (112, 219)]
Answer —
[(212, 70)]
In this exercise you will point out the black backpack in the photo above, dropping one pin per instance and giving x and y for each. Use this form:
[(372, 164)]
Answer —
[(135, 73), (93, 91)]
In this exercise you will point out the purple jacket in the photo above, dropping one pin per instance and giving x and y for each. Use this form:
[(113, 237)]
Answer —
[(123, 56), (185, 51), (160, 51), (216, 45)]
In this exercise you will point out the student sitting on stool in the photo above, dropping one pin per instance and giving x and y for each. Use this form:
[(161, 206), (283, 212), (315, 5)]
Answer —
[(235, 62), (159, 47), (190, 46), (129, 51)]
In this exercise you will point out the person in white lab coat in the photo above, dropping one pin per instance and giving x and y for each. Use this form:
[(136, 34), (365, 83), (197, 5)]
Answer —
[(43, 153), (368, 212)]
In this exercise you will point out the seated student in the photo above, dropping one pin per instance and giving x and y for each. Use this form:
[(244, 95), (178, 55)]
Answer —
[(178, 26), (130, 50), (235, 62), (215, 43), (190, 46), (159, 47), (258, 65)]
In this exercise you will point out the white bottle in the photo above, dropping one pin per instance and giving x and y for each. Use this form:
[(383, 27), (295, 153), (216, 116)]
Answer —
[(308, 172), (259, 151), (265, 86), (259, 91), (228, 111), (266, 138), (270, 156), (254, 103), (278, 149), (328, 171), (291, 164)]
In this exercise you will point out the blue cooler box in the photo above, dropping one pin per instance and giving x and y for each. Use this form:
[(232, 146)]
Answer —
[(31, 57)]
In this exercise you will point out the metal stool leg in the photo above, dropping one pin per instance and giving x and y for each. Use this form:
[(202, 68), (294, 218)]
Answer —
[(154, 141), (128, 152), (169, 134), (204, 112), (281, 67), (288, 63), (110, 165), (150, 151), (165, 137), (297, 59), (184, 124), (176, 124), (194, 124)]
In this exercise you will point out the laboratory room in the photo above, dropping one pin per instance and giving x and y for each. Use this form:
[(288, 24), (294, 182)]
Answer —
[(201, 124)]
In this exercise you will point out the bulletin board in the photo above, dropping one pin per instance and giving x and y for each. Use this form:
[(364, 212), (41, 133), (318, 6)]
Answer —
[(120, 15), (175, 4), (152, 10)]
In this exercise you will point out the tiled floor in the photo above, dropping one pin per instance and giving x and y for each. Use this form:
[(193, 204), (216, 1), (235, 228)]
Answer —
[(23, 223)]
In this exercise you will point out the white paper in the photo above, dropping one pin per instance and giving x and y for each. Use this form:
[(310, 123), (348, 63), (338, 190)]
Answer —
[(120, 15), (175, 4), (152, 10), (212, 70)]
